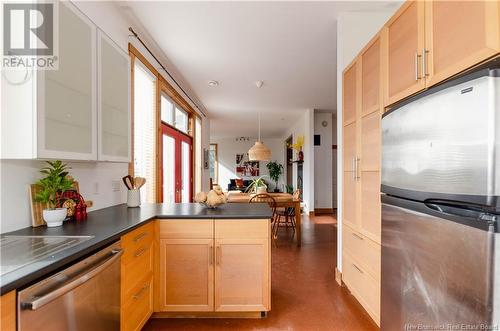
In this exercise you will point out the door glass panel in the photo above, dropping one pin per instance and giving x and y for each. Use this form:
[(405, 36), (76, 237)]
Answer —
[(186, 166), (167, 110), (69, 91), (168, 169), (181, 120), (114, 100)]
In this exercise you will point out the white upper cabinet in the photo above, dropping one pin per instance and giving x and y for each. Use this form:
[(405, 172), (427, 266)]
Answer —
[(79, 111), (113, 101), (67, 112)]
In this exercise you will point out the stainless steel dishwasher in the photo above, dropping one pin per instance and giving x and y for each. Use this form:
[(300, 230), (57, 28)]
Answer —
[(85, 296)]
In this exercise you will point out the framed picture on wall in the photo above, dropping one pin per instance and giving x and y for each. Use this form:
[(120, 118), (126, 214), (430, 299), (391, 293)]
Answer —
[(246, 168)]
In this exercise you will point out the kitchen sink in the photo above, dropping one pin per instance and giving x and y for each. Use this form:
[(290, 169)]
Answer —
[(19, 251)]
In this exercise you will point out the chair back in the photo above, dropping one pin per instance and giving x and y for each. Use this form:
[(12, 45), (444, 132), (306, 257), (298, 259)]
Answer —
[(264, 198)]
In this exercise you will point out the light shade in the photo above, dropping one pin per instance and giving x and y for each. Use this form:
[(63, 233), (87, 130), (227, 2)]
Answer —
[(259, 152)]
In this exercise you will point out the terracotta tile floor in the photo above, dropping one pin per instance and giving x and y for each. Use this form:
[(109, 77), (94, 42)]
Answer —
[(305, 296)]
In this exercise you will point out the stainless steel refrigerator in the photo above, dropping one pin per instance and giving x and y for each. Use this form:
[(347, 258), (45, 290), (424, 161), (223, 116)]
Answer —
[(441, 207)]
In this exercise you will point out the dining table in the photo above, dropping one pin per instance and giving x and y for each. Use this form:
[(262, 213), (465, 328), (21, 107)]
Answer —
[(282, 200)]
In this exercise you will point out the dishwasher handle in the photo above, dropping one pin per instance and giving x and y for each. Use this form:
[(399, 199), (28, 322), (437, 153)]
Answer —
[(38, 302)]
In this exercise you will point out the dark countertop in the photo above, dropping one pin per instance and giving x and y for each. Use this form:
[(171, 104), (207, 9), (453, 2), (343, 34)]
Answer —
[(107, 225)]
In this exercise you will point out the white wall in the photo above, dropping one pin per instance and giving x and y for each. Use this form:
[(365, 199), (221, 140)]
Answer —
[(305, 126), (323, 176), (354, 30), (227, 148), (16, 175)]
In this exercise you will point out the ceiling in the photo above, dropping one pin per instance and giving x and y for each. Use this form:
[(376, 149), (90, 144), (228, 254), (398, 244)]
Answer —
[(291, 46)]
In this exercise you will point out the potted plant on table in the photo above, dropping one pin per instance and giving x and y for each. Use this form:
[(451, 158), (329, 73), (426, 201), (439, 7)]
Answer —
[(275, 171), (55, 182), (257, 186)]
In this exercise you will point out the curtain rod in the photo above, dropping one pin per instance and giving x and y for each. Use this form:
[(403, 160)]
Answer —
[(165, 69)]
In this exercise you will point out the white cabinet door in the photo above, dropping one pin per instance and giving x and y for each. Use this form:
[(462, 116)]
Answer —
[(67, 97), (114, 122)]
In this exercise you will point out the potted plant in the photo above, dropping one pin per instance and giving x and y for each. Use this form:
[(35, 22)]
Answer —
[(289, 189), (55, 182), (275, 171), (257, 186)]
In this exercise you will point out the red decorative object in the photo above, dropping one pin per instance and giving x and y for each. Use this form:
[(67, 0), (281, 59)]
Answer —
[(301, 156), (75, 203)]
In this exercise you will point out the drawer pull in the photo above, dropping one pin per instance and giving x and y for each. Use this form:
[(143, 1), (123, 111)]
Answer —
[(358, 236), (140, 251), (140, 236), (355, 266), (139, 294)]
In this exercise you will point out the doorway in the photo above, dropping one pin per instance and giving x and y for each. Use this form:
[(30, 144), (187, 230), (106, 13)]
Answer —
[(177, 161), (176, 153)]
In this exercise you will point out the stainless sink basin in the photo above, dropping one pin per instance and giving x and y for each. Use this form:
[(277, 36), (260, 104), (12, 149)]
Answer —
[(19, 251)]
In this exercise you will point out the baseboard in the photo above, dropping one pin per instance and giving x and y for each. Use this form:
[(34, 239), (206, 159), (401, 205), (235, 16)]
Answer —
[(252, 314), (338, 276), (323, 211)]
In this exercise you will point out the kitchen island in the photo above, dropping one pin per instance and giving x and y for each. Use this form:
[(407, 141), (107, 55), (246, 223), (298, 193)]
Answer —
[(196, 261)]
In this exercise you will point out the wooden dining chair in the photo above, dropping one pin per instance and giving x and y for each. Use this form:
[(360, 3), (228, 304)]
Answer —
[(266, 198), (289, 217)]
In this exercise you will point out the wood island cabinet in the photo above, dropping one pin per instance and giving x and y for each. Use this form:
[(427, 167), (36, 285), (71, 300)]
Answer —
[(214, 266), (8, 311)]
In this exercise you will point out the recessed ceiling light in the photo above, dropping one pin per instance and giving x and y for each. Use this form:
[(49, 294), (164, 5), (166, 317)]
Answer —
[(213, 83)]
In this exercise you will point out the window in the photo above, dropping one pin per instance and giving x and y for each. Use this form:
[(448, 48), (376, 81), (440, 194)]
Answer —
[(213, 163), (145, 129), (174, 115)]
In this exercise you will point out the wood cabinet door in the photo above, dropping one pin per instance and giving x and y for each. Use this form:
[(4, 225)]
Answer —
[(350, 199), (8, 311), (404, 44), (371, 140), (350, 93), (371, 77), (186, 275), (370, 219), (459, 34), (242, 275)]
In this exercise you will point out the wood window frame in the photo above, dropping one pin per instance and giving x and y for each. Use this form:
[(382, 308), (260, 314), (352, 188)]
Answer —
[(161, 85)]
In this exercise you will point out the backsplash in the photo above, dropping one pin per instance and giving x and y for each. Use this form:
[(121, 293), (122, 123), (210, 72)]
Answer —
[(98, 182)]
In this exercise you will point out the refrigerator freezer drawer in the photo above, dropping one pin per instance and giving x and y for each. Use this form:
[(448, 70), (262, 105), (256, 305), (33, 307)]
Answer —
[(446, 141), (435, 272)]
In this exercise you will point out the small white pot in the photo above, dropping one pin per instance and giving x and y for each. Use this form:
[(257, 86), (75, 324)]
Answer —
[(134, 198), (261, 189), (54, 217)]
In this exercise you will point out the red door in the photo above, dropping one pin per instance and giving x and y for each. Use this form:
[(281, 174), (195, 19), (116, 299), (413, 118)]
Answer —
[(177, 165)]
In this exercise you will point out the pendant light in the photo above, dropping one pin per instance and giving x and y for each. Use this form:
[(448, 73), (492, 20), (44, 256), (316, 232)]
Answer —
[(259, 151)]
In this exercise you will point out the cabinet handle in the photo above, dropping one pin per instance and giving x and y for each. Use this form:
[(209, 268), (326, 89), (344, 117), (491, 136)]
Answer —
[(358, 236), (139, 294), (218, 256), (417, 77), (140, 236), (358, 175), (211, 255), (353, 168), (140, 251), (355, 266), (424, 63)]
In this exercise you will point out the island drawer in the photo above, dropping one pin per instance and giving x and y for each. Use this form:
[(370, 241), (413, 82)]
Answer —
[(187, 229), (242, 228), (141, 237)]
